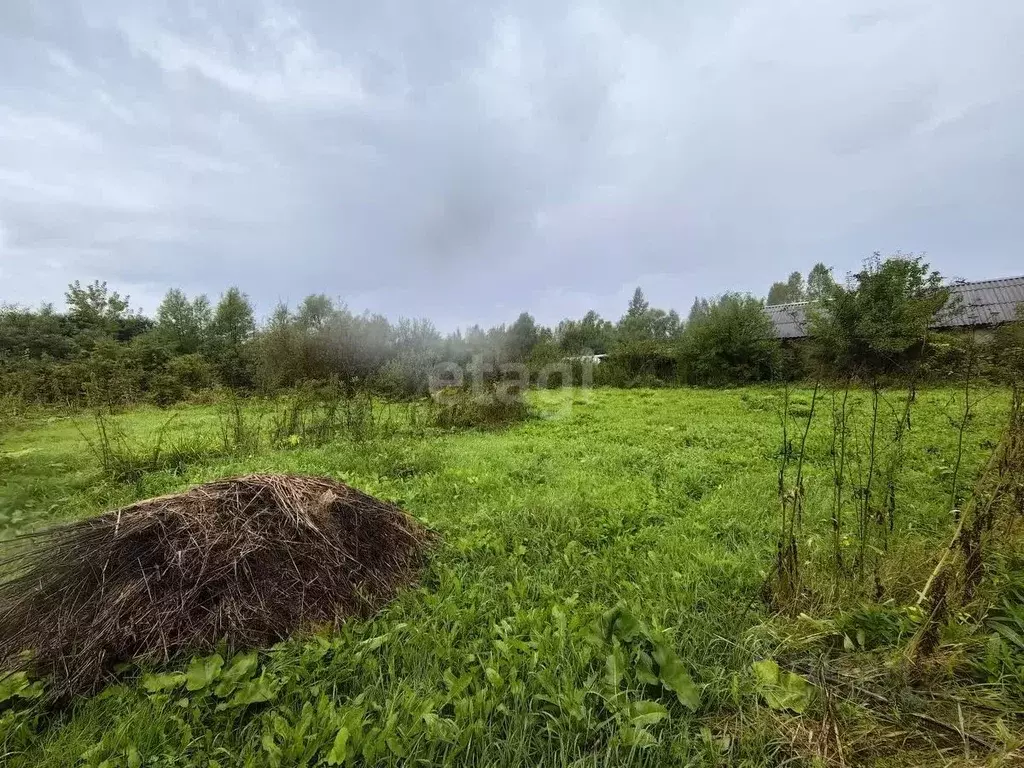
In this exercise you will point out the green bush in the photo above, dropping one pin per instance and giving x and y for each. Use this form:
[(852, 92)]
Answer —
[(455, 408), (880, 322), (730, 341)]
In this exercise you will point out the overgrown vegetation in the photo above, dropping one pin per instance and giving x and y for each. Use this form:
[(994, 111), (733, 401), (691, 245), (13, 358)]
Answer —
[(877, 619), (825, 572), (596, 598), (100, 352)]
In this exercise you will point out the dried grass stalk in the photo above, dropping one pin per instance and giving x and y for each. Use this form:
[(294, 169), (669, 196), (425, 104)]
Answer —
[(247, 560)]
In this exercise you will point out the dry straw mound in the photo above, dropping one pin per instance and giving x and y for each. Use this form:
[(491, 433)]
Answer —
[(247, 560)]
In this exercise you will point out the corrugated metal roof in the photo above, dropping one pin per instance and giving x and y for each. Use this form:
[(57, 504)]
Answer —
[(790, 320), (984, 302), (978, 303)]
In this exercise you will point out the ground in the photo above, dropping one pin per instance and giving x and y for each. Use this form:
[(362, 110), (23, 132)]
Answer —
[(624, 526)]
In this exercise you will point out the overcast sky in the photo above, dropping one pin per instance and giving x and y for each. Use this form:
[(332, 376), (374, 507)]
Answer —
[(466, 161)]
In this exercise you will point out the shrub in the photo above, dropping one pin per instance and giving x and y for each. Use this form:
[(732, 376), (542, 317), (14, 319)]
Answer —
[(454, 408), (193, 371), (731, 341), (639, 364), (125, 459), (1008, 344), (401, 378), (877, 323)]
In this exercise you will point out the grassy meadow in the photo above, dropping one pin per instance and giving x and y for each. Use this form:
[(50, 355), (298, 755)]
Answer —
[(596, 597)]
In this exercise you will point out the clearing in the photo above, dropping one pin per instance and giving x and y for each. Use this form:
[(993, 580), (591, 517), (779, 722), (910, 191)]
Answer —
[(654, 509)]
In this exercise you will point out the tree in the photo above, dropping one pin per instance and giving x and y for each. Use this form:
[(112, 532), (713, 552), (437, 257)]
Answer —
[(638, 305), (234, 322), (874, 324), (521, 338), (819, 282), (231, 329), (698, 310), (98, 313), (795, 283), (789, 291), (778, 294), (182, 322), (637, 324), (591, 333), (315, 312), (94, 305), (665, 325), (731, 340), (27, 334)]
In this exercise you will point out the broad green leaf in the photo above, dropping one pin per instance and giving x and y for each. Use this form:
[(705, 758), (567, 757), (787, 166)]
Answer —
[(17, 686), (133, 758), (255, 691), (456, 685), (644, 669), (620, 623), (241, 668), (615, 667), (202, 672), (643, 713), (674, 676), (339, 751), (375, 642), (640, 738), (1004, 630), (270, 747), (493, 677), (781, 689), (165, 682), (396, 746)]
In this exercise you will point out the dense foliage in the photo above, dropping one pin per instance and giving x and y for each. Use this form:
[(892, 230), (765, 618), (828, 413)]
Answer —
[(100, 351), (730, 340), (880, 321)]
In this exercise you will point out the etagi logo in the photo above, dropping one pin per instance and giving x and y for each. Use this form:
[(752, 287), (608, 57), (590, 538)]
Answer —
[(556, 386)]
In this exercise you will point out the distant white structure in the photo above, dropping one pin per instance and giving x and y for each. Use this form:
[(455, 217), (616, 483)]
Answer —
[(592, 359)]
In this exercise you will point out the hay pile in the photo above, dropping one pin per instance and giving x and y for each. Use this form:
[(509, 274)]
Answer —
[(247, 560)]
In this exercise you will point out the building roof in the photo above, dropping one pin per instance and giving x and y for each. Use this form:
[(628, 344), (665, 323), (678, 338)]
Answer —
[(971, 304), (984, 302), (790, 320)]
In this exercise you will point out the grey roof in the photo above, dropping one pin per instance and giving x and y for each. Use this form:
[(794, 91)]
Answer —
[(790, 320), (985, 302), (979, 303)]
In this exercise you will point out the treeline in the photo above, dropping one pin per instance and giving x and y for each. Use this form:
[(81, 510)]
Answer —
[(99, 350)]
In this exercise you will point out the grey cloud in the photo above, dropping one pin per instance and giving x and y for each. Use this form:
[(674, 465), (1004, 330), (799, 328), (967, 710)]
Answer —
[(469, 161)]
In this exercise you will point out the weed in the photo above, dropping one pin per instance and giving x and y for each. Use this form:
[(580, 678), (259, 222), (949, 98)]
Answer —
[(661, 505), (126, 459), (463, 409)]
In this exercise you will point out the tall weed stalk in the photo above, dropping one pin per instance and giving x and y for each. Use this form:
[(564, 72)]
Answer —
[(788, 586)]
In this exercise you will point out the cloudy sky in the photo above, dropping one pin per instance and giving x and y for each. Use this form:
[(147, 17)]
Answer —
[(466, 161)]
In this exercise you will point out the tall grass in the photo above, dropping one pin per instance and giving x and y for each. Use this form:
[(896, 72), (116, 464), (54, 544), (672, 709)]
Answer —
[(454, 408), (960, 624), (124, 458), (309, 418), (592, 569)]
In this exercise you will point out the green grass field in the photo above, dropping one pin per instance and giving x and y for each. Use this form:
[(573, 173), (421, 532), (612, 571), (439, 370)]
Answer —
[(595, 599)]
